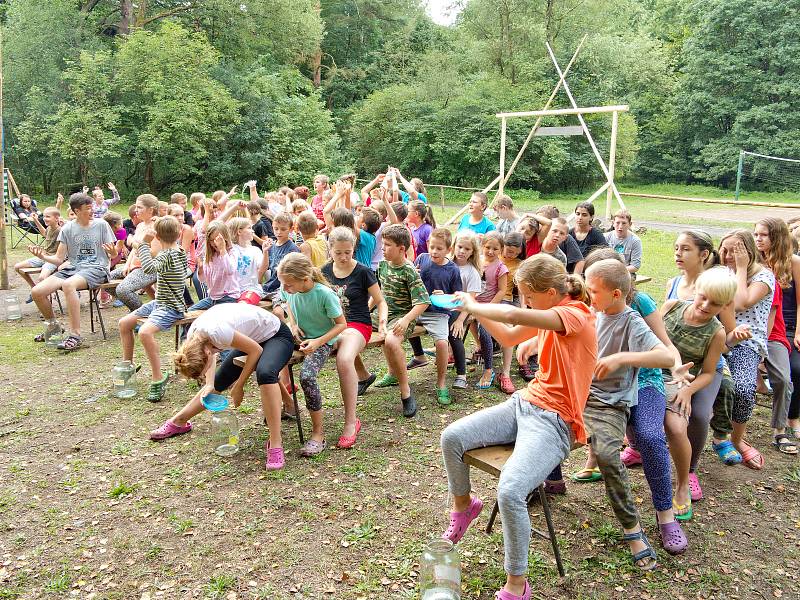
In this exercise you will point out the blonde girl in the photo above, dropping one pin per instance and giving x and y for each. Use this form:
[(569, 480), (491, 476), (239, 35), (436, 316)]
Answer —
[(248, 331), (355, 284), (466, 254), (495, 276), (541, 420), (316, 319), (217, 268), (755, 286), (251, 262), (774, 245)]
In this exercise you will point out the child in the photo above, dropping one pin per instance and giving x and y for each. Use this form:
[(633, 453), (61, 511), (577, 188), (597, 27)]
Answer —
[(168, 307), (88, 246), (514, 244), (283, 224), (249, 331), (100, 205), (559, 232), (534, 228), (467, 257), (537, 419), (476, 220), (51, 218), (508, 220), (400, 212), (369, 224), (180, 200), (407, 299), (197, 200), (114, 221), (313, 246), (262, 226), (355, 284), (131, 222), (626, 344), (583, 233), (568, 245), (318, 202), (440, 276), (421, 222), (251, 262), (414, 189), (755, 287), (187, 242), (218, 266), (316, 319), (495, 275), (624, 241)]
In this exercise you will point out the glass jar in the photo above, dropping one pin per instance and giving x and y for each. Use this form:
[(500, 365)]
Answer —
[(123, 376), (12, 308), (440, 572), (225, 432), (53, 336)]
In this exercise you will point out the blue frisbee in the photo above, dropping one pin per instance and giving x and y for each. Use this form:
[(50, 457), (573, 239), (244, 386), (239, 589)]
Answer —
[(215, 402), (446, 301)]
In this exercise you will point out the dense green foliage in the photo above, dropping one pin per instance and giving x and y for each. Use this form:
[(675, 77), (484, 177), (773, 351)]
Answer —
[(182, 94)]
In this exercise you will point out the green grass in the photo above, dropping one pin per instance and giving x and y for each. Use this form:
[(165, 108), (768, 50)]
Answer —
[(219, 584), (122, 489)]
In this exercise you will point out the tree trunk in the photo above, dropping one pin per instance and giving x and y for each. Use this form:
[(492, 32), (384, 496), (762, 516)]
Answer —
[(126, 16), (316, 68), (148, 175)]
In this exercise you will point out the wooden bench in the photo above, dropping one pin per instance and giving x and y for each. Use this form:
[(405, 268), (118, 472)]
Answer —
[(491, 459), (375, 341), (35, 271), (642, 279)]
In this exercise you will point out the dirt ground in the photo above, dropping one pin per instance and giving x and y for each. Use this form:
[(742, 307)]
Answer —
[(90, 508)]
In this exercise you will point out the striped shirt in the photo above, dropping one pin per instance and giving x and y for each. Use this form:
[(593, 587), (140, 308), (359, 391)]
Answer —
[(170, 267)]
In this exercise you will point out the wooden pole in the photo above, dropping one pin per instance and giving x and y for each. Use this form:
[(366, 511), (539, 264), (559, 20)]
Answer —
[(590, 199), (502, 155), (612, 155), (3, 249), (441, 195), (555, 112)]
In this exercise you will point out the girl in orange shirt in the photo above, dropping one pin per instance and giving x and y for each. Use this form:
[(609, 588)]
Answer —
[(541, 420)]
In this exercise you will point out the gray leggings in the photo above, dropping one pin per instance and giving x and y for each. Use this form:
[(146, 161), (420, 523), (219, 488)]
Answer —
[(541, 441), (126, 290), (778, 370), (702, 410), (312, 365)]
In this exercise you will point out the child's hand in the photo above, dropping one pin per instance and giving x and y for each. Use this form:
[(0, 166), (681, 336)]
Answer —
[(400, 327), (249, 184), (527, 349), (112, 187), (37, 251), (457, 328), (309, 346), (684, 401), (297, 333), (237, 394), (741, 257), (681, 375), (606, 365), (468, 303), (742, 333), (232, 192), (382, 327), (266, 245), (219, 245), (150, 234), (111, 249)]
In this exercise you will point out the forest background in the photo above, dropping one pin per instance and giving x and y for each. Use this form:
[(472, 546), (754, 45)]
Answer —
[(184, 95)]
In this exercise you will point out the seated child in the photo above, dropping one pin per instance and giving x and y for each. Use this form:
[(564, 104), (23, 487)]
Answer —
[(508, 219), (495, 275), (407, 299), (282, 225), (624, 241), (217, 267), (475, 218), (559, 231), (440, 276), (466, 255), (313, 246), (169, 267), (251, 261), (51, 218)]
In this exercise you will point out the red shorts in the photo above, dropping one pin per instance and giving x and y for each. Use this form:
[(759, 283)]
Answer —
[(250, 298), (363, 329)]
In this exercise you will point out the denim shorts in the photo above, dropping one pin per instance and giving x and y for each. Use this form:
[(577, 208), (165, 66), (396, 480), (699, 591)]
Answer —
[(159, 315), (46, 267)]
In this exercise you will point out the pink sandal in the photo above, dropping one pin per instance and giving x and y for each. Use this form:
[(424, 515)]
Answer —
[(752, 459), (459, 521), (168, 430), (695, 491), (504, 595), (630, 457), (275, 458)]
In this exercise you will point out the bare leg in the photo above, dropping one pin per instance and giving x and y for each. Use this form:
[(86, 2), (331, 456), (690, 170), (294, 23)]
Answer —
[(441, 363), (41, 295), (193, 408), (317, 425), (350, 344), (395, 357), (23, 265), (271, 407), (126, 327), (361, 370), (71, 287), (507, 354), (147, 336)]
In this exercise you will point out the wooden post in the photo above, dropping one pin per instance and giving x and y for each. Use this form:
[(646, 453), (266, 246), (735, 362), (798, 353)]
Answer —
[(612, 156), (441, 195), (502, 155), (3, 249)]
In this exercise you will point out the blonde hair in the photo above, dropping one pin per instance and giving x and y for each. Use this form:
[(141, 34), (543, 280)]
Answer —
[(749, 243), (214, 228), (217, 196), (190, 359), (235, 225), (503, 200), (300, 267), (148, 201), (168, 229), (284, 218), (175, 208), (177, 196), (197, 198), (300, 205), (717, 284), (612, 273), (542, 272), (623, 214), (341, 234), (468, 237)]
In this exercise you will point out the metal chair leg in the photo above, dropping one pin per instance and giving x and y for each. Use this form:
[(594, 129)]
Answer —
[(492, 517), (91, 309), (296, 406), (549, 518)]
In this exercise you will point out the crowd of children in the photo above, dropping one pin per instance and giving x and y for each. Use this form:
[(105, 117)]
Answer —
[(605, 365)]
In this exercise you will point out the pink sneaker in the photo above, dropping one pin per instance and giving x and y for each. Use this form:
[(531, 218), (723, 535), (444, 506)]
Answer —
[(695, 490), (630, 457), (275, 458), (504, 595), (459, 521), (168, 430)]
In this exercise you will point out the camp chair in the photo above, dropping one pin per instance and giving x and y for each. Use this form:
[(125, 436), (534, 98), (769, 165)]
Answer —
[(17, 230)]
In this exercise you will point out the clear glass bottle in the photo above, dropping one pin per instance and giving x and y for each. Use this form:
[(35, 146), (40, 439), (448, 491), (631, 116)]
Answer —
[(440, 572), (225, 432), (53, 335), (123, 376), (12, 308)]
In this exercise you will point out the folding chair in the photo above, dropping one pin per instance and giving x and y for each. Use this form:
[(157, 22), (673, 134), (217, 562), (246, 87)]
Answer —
[(18, 233)]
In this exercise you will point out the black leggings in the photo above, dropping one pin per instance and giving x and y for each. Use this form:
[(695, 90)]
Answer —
[(456, 343), (794, 363), (276, 353)]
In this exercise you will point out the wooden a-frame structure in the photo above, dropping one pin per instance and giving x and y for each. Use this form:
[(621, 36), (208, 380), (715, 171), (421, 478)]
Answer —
[(609, 187)]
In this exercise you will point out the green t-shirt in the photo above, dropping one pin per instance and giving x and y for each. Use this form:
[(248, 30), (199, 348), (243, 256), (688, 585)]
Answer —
[(402, 287), (314, 310)]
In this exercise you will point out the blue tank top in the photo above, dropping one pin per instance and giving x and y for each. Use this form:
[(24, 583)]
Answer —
[(673, 295)]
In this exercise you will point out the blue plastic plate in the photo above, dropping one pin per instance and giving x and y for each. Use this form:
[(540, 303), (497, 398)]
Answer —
[(215, 402), (446, 301)]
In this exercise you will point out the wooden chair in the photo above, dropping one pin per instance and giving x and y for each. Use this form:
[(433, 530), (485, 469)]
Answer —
[(491, 460), (35, 271), (94, 304)]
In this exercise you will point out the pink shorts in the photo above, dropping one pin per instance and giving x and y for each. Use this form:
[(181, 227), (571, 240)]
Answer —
[(363, 329)]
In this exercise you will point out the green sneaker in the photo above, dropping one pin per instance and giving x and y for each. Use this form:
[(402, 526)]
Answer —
[(443, 397), (157, 390), (386, 381)]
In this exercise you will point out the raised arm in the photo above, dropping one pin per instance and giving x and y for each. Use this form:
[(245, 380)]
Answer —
[(412, 191)]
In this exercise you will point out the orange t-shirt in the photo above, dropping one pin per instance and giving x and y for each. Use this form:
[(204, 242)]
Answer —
[(566, 365)]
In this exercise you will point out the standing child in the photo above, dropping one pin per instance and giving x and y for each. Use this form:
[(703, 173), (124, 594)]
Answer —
[(168, 307), (421, 222), (541, 420), (251, 262), (440, 276), (282, 225), (407, 299), (316, 319), (495, 276), (369, 224), (513, 248), (508, 219), (476, 219), (467, 257), (313, 246), (356, 285)]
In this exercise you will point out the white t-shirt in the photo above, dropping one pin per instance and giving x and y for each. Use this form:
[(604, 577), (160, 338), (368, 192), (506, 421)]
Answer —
[(470, 278), (248, 261), (221, 321)]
